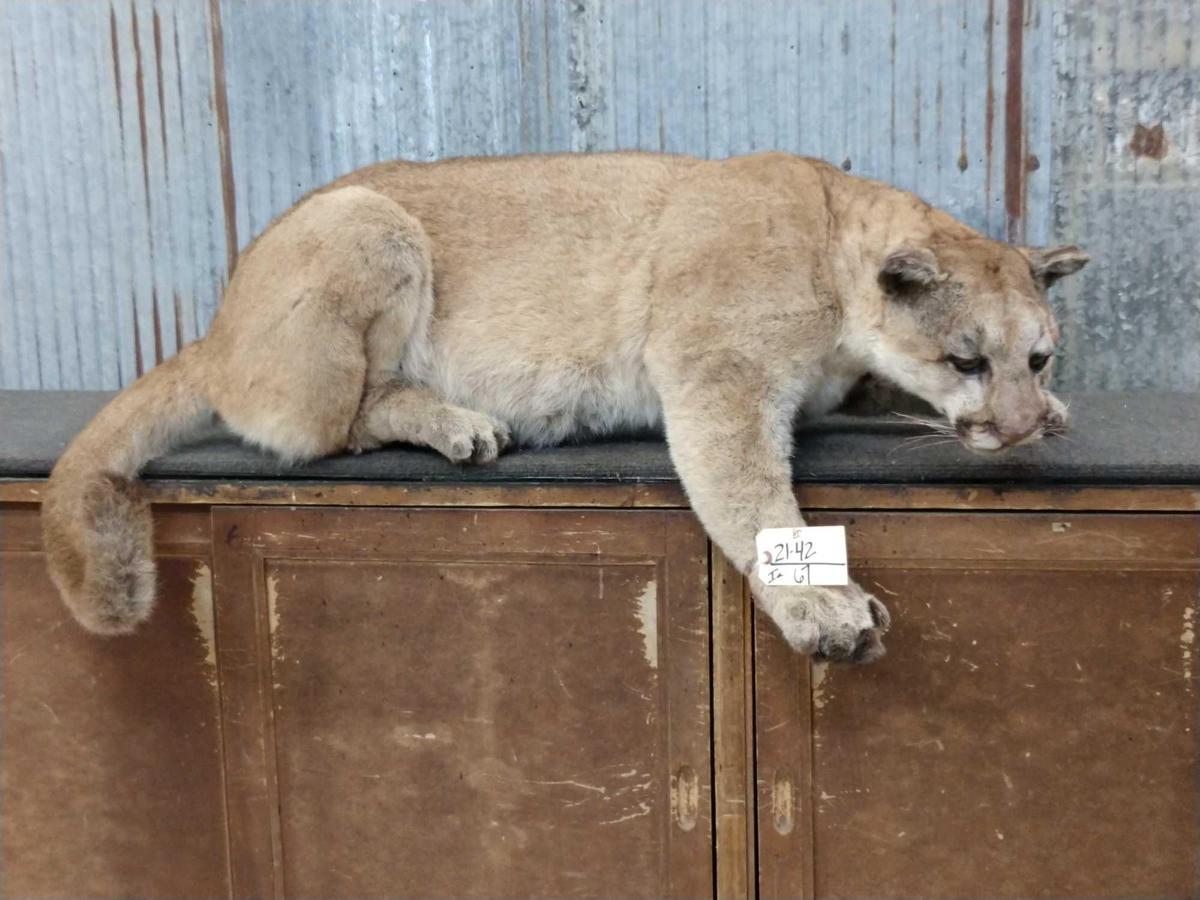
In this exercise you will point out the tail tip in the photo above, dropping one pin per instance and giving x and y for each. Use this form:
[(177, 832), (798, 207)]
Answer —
[(112, 619), (102, 562), (116, 603)]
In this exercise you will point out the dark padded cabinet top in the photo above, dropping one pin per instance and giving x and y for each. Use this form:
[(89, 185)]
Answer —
[(1145, 438)]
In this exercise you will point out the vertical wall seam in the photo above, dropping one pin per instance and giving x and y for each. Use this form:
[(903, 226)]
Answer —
[(1014, 130), (989, 104), (221, 102)]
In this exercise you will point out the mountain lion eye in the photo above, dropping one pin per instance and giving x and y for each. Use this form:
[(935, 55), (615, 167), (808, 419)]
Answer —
[(974, 365), (1038, 361)]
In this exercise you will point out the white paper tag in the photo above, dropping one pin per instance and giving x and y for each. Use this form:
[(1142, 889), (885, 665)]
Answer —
[(803, 556)]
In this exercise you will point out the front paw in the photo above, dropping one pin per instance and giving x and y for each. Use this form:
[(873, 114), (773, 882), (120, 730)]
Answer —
[(843, 624)]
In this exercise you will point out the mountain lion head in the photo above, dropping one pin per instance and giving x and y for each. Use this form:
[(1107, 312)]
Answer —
[(966, 328)]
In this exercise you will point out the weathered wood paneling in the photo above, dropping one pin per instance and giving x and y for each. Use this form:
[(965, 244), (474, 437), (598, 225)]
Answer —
[(649, 496), (1032, 731), (733, 729), (465, 703), (110, 776)]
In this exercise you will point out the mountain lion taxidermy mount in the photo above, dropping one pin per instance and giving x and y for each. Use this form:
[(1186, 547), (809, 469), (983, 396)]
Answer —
[(471, 305)]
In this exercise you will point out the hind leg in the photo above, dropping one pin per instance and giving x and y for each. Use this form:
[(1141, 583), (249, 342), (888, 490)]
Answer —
[(322, 314), (397, 412), (317, 316), (394, 411)]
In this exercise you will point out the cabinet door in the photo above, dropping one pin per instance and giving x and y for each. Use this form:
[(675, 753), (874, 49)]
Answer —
[(1032, 731), (110, 775), (465, 702)]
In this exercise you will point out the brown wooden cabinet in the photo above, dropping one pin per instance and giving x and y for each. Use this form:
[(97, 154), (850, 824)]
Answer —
[(1033, 730), (379, 689), (111, 770), (465, 702)]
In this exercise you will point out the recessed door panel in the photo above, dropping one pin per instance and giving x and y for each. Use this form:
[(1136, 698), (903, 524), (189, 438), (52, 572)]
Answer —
[(473, 702)]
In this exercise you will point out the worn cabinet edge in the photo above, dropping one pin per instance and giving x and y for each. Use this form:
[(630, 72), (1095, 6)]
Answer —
[(733, 730), (647, 495), (746, 803)]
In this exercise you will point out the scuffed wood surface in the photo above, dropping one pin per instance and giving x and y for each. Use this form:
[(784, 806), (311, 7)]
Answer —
[(1152, 498), (466, 703), (1033, 730), (733, 730), (110, 777)]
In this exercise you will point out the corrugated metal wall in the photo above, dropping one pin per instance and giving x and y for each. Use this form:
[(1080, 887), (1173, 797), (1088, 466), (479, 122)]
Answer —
[(143, 142), (112, 222), (1126, 184)]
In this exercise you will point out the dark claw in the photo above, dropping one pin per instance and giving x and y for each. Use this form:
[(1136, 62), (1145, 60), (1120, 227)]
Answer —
[(836, 647), (879, 615), (868, 649)]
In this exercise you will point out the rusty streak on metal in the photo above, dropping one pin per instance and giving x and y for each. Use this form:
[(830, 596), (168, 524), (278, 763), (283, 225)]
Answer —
[(140, 84), (1014, 137), (141, 99), (892, 98), (162, 108), (158, 342), (116, 58), (179, 77), (963, 161), (137, 337), (178, 321), (989, 103), (221, 102), (1149, 142)]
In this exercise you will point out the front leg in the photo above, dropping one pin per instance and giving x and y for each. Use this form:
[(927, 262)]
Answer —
[(730, 439)]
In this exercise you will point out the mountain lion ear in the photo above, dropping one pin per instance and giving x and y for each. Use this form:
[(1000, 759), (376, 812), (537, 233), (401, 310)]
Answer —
[(908, 268), (1049, 265)]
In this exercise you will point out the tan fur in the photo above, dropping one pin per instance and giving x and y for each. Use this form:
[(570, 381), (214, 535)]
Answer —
[(467, 304)]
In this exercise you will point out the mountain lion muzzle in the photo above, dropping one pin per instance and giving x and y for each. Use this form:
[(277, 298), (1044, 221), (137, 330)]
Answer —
[(471, 305)]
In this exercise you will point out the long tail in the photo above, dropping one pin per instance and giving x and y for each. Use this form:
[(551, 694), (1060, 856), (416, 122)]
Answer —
[(95, 524)]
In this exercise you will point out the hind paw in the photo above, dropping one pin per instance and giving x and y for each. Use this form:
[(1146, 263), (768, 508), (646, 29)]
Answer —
[(462, 435)]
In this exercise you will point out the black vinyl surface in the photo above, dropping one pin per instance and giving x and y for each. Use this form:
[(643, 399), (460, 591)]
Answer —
[(1142, 438)]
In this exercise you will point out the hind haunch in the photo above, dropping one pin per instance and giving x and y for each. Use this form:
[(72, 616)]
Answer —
[(301, 360)]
